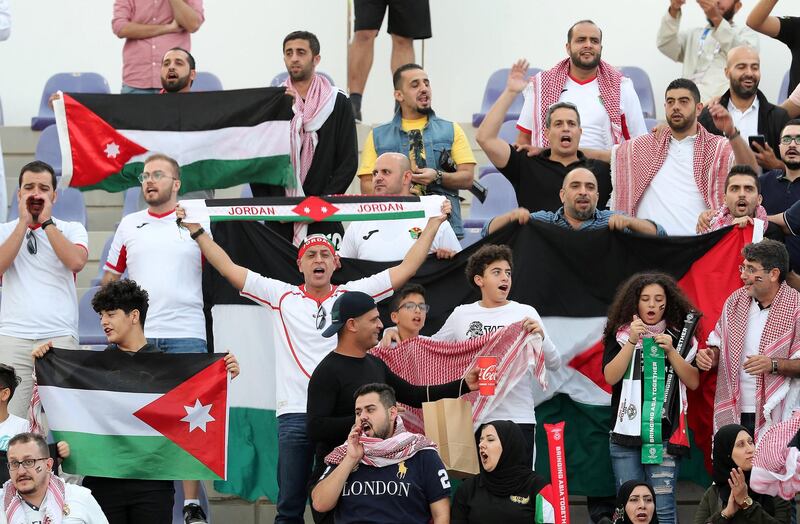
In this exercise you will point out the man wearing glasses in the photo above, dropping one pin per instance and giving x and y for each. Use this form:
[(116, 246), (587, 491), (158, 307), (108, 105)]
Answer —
[(35, 494), (755, 343), (39, 258)]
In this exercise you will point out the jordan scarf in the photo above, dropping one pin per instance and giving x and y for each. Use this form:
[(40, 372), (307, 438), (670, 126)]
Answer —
[(436, 362), (54, 502), (380, 452), (724, 218), (776, 395), (776, 466), (546, 89), (636, 162)]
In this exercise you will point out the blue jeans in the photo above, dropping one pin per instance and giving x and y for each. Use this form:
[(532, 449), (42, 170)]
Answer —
[(627, 465), (295, 460), (128, 90), (179, 345)]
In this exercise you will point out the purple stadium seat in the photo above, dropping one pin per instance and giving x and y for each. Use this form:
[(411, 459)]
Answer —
[(69, 83), (90, 333), (501, 199), (783, 94), (650, 123), (508, 132), (69, 206), (278, 79), (643, 87), (205, 81), (133, 201), (103, 257), (494, 86), (48, 150)]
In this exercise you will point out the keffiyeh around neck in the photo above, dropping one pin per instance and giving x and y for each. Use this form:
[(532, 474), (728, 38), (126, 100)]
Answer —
[(379, 452), (53, 505)]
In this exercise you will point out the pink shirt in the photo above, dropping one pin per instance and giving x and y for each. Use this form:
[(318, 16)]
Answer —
[(141, 58)]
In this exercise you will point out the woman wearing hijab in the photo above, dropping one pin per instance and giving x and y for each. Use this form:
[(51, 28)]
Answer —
[(730, 499), (636, 504), (505, 489)]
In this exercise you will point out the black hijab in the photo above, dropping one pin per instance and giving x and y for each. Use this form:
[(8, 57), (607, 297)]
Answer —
[(624, 493), (722, 462), (512, 475)]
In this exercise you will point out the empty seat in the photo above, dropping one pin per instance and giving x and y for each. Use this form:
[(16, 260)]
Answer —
[(69, 83), (643, 87), (103, 257), (205, 81), (281, 77), (70, 206), (47, 148), (90, 333), (500, 199), (650, 123), (133, 201), (783, 94), (494, 86)]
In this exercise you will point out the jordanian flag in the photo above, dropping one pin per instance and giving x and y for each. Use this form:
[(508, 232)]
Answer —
[(142, 416), (220, 139), (570, 277)]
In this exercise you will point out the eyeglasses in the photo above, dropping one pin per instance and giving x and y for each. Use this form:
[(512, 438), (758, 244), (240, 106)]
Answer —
[(32, 246), (321, 316), (411, 306), (155, 176), (27, 463), (788, 139), (750, 270)]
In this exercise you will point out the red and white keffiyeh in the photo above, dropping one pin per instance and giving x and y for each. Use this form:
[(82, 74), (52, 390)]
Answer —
[(422, 360), (776, 395), (53, 502), (546, 88), (380, 452), (724, 218), (636, 162), (776, 467)]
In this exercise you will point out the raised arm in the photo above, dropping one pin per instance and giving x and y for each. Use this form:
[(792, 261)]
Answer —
[(741, 150), (10, 247), (401, 273), (668, 39), (72, 255), (325, 494), (760, 20)]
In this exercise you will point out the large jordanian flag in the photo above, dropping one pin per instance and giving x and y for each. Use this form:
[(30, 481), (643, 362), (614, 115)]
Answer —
[(143, 416), (220, 139), (570, 277)]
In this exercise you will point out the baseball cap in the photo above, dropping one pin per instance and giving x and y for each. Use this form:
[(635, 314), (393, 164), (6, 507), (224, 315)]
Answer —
[(350, 305)]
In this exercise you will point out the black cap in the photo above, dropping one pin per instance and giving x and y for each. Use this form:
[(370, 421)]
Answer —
[(350, 305)]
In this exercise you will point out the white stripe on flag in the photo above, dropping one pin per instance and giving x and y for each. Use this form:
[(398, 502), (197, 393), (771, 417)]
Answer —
[(230, 143), (63, 140), (96, 411)]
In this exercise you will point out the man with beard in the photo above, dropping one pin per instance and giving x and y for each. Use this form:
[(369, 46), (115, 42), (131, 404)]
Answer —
[(579, 211), (167, 264), (704, 50), (751, 111), (177, 71), (607, 102), (383, 474), (323, 137), (538, 179), (39, 258), (449, 162), (672, 176)]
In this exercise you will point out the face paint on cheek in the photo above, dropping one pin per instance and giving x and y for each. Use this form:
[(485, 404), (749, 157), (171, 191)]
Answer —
[(661, 307), (38, 469), (759, 279)]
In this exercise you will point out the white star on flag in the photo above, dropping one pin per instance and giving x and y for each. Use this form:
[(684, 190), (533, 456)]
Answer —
[(307, 209), (197, 416), (324, 209), (112, 150)]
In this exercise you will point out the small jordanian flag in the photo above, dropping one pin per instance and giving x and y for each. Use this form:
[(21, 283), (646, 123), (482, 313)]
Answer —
[(142, 416), (545, 509), (220, 139)]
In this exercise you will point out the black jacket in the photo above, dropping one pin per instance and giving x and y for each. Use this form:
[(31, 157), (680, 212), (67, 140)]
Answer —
[(771, 119)]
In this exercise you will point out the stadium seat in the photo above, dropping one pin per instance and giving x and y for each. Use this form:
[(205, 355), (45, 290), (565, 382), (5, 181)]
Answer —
[(205, 81), (280, 78), (1, 112), (643, 87), (500, 199), (132, 201), (471, 235), (103, 257), (508, 132), (650, 123), (69, 206), (47, 148), (90, 333), (494, 86), (69, 83), (782, 94)]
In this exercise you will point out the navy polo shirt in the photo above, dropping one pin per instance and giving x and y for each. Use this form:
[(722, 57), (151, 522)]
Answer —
[(779, 193)]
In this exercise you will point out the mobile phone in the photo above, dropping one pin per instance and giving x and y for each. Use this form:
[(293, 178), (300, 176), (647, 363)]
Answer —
[(759, 139)]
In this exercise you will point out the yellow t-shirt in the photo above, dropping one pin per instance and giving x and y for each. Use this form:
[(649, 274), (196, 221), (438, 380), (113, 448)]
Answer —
[(461, 151)]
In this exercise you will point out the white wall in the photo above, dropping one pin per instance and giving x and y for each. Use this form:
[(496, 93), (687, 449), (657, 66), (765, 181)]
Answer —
[(241, 42)]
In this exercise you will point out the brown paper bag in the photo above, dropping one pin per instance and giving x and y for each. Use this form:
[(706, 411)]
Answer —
[(448, 422)]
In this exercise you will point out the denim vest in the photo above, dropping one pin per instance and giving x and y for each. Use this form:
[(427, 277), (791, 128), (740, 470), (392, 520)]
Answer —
[(437, 136)]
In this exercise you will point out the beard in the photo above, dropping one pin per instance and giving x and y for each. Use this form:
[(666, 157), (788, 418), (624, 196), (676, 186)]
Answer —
[(176, 85), (157, 199), (427, 111), (302, 75), (792, 166), (687, 123), (576, 61), (582, 215), (743, 92)]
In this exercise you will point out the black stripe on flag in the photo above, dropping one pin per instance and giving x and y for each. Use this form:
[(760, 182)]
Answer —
[(201, 111), (293, 201), (119, 371)]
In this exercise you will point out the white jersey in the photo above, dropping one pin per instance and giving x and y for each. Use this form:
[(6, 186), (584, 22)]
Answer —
[(80, 507), (11, 427), (39, 296), (595, 123), (388, 240), (298, 323), (473, 320), (164, 260)]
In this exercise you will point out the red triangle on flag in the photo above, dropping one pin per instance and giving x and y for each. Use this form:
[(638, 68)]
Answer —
[(590, 364), (315, 208), (194, 416), (97, 149)]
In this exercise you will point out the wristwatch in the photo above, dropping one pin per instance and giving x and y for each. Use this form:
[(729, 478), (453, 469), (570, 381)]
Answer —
[(774, 366), (734, 134), (439, 177), (48, 222), (746, 503)]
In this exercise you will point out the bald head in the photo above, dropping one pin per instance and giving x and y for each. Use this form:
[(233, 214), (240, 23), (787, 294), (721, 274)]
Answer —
[(392, 175), (743, 71), (742, 52), (579, 173)]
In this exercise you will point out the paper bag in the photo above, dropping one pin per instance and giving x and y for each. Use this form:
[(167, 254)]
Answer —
[(448, 422)]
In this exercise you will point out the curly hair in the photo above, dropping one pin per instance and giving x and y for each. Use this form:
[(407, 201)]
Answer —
[(484, 257), (626, 302), (122, 294), (9, 379)]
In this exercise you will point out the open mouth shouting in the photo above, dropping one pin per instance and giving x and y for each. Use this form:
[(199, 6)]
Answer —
[(423, 99), (366, 429), (565, 140)]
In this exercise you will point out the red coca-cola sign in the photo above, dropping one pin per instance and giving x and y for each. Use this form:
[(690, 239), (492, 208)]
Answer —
[(487, 375)]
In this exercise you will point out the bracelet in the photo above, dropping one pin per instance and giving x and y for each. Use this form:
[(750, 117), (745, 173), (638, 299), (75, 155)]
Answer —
[(734, 134), (631, 342), (197, 233), (48, 222), (723, 515)]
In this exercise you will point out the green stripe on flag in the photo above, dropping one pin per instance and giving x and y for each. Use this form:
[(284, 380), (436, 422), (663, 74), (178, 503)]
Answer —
[(274, 170), (100, 456)]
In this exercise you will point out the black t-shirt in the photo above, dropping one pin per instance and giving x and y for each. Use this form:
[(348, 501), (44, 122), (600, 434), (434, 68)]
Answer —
[(473, 504), (147, 348), (789, 34), (537, 180)]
